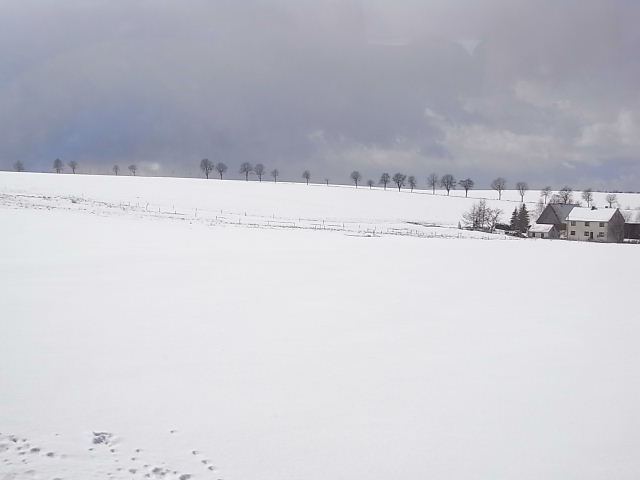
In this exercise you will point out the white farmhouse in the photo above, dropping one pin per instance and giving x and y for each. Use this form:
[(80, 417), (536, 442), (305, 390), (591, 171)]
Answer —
[(597, 225)]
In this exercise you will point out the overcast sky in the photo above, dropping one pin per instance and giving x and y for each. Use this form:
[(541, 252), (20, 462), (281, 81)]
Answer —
[(544, 91)]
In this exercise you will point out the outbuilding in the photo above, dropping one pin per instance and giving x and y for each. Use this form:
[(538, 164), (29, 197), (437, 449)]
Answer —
[(542, 230), (631, 224)]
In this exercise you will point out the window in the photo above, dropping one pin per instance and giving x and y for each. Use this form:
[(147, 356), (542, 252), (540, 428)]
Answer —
[(573, 232), (573, 223), (586, 234), (601, 234), (601, 225), (542, 235), (586, 224)]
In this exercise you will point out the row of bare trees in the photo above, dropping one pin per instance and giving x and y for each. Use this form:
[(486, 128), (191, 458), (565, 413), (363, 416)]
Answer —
[(58, 166), (133, 169), (448, 182), (565, 196)]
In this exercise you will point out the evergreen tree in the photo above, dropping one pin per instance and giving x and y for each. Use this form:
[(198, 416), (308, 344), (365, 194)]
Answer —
[(523, 218), (514, 220)]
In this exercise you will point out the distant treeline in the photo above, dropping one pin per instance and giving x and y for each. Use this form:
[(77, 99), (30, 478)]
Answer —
[(399, 180)]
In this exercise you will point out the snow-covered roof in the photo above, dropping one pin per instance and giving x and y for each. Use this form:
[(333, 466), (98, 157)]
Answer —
[(541, 227), (587, 215), (631, 216)]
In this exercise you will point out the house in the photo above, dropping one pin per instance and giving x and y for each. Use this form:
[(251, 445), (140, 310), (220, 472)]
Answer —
[(555, 214), (598, 225), (543, 230)]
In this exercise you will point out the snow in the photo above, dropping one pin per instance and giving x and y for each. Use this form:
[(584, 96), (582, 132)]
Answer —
[(631, 216), (589, 215), (540, 228), (303, 353)]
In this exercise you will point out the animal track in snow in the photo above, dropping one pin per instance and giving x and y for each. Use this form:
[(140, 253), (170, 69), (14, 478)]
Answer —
[(105, 457)]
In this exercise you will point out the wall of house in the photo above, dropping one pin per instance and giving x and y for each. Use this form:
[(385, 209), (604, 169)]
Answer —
[(553, 234), (616, 228), (632, 231), (600, 231)]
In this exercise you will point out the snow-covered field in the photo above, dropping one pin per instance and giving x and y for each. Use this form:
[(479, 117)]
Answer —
[(221, 330)]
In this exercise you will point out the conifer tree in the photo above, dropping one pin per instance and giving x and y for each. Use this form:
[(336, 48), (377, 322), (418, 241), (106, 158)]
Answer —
[(514, 220), (523, 218)]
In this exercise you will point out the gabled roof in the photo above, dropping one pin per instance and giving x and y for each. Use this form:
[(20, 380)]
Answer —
[(555, 213), (588, 215), (562, 210), (541, 228)]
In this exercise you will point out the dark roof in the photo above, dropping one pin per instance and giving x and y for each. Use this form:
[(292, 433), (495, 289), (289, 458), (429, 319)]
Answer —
[(555, 213), (562, 211)]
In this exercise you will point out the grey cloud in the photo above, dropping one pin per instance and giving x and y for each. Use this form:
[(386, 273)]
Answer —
[(542, 91)]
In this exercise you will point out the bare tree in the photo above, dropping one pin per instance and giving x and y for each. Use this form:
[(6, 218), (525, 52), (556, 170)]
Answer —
[(259, 169), (58, 166), (356, 176), (482, 217), (116, 169), (545, 192), (499, 185), (565, 195), (306, 175), (206, 166), (274, 174), (133, 169), (611, 199), (412, 182), (384, 179), (220, 168), (18, 166), (522, 188), (587, 196), (73, 165), (432, 181), (246, 168), (371, 183), (448, 182), (467, 184), (399, 179)]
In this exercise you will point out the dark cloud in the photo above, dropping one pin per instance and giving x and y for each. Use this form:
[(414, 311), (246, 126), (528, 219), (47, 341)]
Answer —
[(544, 91)]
